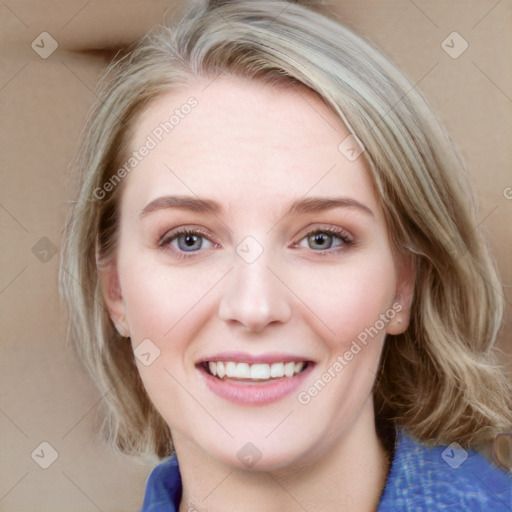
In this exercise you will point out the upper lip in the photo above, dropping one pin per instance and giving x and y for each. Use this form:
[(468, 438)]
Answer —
[(241, 357)]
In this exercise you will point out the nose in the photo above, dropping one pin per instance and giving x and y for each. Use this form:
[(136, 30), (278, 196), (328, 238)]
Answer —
[(253, 297)]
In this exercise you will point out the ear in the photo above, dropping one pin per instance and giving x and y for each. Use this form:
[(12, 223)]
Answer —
[(404, 293), (113, 297)]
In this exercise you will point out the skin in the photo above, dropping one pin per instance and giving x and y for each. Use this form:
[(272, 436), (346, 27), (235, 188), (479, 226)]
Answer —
[(254, 149)]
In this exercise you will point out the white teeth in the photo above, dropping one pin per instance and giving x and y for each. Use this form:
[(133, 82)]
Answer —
[(289, 369), (258, 371), (243, 371), (277, 370), (230, 369), (220, 370)]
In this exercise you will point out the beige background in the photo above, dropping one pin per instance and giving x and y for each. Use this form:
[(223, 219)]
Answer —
[(44, 394)]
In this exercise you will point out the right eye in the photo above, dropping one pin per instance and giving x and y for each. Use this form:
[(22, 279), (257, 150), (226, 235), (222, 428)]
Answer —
[(186, 241)]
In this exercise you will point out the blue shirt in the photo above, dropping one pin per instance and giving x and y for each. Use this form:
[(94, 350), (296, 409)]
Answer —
[(421, 479)]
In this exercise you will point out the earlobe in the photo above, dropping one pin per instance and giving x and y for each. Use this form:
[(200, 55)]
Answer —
[(403, 296), (398, 324), (123, 332), (113, 297)]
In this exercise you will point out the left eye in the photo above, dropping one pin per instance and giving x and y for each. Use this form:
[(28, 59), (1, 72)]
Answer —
[(189, 242), (322, 240)]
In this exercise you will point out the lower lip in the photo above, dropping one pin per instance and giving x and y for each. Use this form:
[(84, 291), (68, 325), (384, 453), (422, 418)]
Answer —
[(251, 393)]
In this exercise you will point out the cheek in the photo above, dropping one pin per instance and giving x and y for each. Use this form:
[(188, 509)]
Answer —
[(348, 300), (168, 307), (347, 309), (160, 300)]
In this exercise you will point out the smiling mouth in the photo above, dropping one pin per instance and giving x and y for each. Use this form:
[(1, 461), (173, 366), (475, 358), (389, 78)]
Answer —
[(257, 372)]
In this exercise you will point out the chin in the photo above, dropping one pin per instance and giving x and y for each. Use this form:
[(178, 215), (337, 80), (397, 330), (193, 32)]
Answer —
[(259, 456)]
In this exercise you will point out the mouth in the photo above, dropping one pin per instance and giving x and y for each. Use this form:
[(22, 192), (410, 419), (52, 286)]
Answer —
[(257, 372), (247, 380)]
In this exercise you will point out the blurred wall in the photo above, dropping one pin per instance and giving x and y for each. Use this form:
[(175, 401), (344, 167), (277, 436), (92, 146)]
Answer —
[(45, 91)]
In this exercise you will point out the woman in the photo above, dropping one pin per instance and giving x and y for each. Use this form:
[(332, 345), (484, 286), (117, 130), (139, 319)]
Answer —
[(274, 271)]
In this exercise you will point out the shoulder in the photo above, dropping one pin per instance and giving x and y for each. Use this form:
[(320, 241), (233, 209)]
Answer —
[(163, 488), (441, 478)]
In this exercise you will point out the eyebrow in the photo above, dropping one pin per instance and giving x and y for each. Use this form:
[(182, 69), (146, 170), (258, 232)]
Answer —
[(194, 204), (299, 206), (316, 204)]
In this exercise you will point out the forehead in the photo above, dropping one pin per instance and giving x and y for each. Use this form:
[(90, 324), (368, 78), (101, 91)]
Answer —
[(232, 137)]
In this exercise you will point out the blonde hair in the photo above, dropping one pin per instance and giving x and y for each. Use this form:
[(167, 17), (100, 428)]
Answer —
[(438, 380)]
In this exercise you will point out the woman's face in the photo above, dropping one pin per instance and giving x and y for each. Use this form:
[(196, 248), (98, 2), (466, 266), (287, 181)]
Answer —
[(252, 244)]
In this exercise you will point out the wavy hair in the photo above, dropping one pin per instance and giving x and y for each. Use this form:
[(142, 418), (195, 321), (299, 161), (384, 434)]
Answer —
[(439, 380)]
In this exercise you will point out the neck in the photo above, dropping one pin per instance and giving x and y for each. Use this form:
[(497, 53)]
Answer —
[(349, 475)]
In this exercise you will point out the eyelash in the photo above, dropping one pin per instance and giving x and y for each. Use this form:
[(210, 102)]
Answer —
[(341, 234), (346, 239), (168, 237)]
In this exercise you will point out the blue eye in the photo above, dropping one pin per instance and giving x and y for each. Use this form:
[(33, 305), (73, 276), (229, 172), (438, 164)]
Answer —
[(322, 240), (187, 241)]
